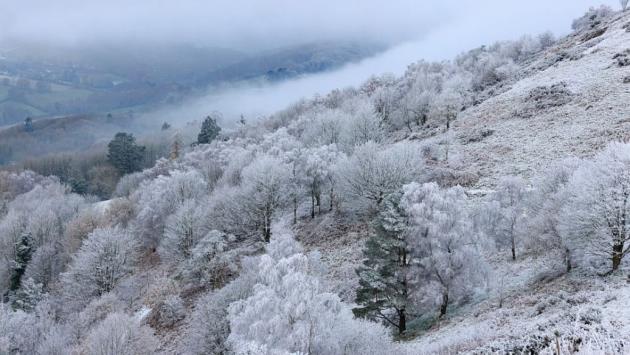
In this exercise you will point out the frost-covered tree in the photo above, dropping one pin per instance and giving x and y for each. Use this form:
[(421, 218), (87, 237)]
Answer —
[(290, 311), (448, 264), (211, 261), (209, 323), (13, 184), (385, 280), (120, 334), (28, 296), (105, 257), (592, 18), (167, 313), (157, 199), (317, 165), (374, 172), (182, 231), (326, 128), (384, 101), (450, 101), (362, 126), (295, 187), (32, 235), (95, 312), (265, 185), (597, 217), (415, 107), (47, 263), (624, 4), (549, 198), (487, 219), (510, 194), (22, 332)]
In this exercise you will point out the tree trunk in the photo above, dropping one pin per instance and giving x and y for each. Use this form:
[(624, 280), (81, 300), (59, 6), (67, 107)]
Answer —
[(513, 248), (332, 199), (617, 254), (295, 210), (312, 206), (444, 305), (567, 258), (267, 230), (402, 321)]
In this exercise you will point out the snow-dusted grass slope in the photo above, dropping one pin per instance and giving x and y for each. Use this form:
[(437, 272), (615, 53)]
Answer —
[(572, 312), (598, 110)]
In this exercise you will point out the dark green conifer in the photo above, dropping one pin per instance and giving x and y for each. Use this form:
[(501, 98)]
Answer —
[(384, 276), (209, 130)]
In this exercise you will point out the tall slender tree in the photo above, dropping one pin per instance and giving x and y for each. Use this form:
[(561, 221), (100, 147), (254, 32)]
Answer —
[(384, 279), (23, 253)]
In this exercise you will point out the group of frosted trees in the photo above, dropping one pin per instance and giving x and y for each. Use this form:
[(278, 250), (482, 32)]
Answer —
[(422, 257), (424, 252), (77, 272), (579, 208), (428, 97), (290, 310), (73, 271), (57, 256), (203, 238)]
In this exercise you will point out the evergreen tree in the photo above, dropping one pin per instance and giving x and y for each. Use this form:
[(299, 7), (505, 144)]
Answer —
[(384, 291), (209, 130), (28, 124), (124, 154), (23, 253), (29, 295)]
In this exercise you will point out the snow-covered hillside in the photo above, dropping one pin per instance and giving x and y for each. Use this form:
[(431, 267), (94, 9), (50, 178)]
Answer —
[(595, 112), (479, 205)]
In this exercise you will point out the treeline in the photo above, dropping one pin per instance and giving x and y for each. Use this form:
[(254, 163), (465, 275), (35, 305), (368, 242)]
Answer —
[(203, 220), (98, 172)]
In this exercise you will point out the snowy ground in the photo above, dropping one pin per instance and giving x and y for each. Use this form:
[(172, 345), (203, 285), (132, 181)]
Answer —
[(598, 112), (578, 311)]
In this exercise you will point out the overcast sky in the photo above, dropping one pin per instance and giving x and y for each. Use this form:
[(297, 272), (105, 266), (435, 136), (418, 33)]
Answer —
[(260, 24)]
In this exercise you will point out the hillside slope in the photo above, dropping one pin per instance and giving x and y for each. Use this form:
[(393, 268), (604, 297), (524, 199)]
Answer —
[(569, 100), (530, 130), (382, 219)]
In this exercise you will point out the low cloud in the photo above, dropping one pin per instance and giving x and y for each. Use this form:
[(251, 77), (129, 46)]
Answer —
[(237, 24), (469, 25)]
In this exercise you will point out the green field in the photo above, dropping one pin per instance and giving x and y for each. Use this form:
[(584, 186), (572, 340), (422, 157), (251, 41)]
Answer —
[(58, 93)]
